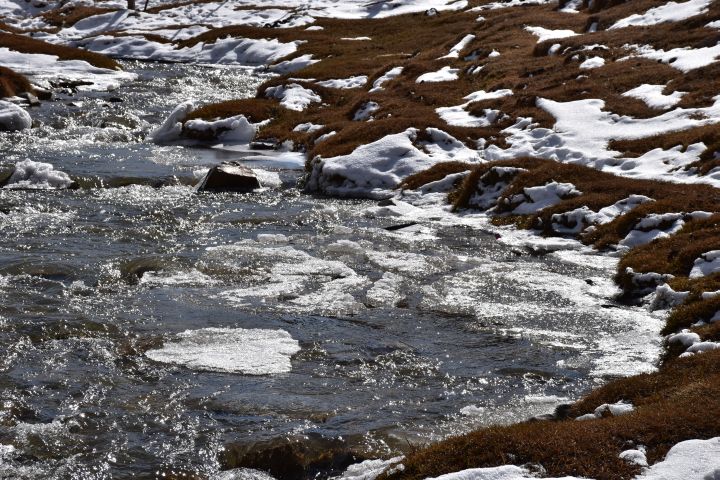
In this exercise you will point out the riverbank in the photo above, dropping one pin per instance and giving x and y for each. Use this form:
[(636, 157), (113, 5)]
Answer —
[(598, 123)]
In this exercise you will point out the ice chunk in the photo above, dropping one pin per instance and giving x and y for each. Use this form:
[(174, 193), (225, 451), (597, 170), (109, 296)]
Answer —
[(233, 350), (38, 175), (13, 118)]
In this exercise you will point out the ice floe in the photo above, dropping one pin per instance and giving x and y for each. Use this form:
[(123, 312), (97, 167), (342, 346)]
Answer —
[(232, 350), (37, 175)]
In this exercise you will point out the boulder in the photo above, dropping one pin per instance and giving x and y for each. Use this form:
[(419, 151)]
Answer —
[(13, 118), (229, 177), (293, 458)]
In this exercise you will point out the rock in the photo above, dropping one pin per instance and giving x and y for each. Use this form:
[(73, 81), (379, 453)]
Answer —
[(13, 118), (32, 100), (229, 177), (291, 458)]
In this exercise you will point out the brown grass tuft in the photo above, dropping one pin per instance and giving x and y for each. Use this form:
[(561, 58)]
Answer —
[(12, 83)]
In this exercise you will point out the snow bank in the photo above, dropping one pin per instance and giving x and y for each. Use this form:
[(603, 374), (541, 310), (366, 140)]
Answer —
[(534, 199), (688, 460), (233, 350), (13, 118), (226, 51), (445, 74), (37, 175), (707, 264), (237, 129), (583, 131), (293, 96), (670, 12), (653, 97), (372, 170)]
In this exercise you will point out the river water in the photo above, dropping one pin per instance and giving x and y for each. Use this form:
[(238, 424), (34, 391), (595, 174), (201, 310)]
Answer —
[(129, 308)]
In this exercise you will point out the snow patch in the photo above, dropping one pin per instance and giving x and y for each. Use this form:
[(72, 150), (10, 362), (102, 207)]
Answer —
[(293, 96), (445, 74), (653, 97)]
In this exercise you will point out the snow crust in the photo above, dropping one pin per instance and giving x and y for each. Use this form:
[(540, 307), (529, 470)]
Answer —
[(670, 12), (233, 350), (345, 83), (13, 117), (371, 170)]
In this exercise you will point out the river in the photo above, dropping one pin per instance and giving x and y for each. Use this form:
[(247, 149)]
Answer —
[(126, 306)]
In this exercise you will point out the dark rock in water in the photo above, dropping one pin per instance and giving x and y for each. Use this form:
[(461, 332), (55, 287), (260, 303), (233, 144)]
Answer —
[(32, 100), (264, 144), (5, 177), (392, 228), (291, 458), (229, 177), (43, 94)]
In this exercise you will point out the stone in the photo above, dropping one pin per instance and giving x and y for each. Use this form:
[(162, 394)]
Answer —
[(229, 177)]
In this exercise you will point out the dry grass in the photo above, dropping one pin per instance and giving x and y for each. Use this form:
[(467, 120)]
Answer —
[(23, 44), (12, 83), (437, 172), (67, 16)]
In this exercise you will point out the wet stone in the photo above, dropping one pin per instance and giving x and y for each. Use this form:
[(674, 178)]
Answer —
[(229, 177), (292, 458)]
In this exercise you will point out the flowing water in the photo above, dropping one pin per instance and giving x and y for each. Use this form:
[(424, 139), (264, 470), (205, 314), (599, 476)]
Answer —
[(147, 329)]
